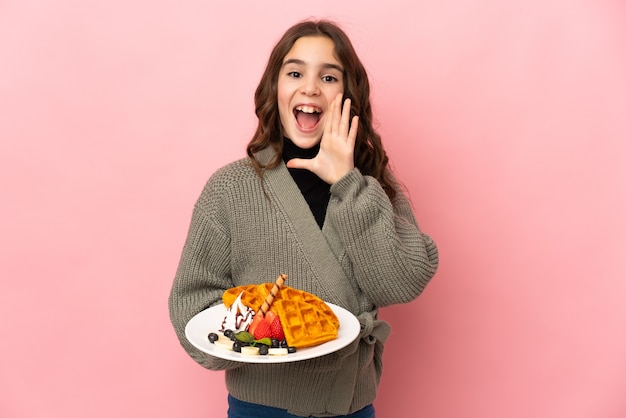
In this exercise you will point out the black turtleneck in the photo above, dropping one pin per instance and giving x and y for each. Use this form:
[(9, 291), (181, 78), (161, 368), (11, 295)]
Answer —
[(315, 191)]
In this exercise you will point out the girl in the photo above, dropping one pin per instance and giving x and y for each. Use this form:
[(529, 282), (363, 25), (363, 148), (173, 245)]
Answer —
[(316, 200)]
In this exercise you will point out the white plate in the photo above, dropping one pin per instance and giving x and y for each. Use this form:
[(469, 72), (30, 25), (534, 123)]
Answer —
[(209, 320)]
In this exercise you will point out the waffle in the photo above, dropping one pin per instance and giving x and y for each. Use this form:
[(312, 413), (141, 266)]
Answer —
[(306, 319), (253, 295)]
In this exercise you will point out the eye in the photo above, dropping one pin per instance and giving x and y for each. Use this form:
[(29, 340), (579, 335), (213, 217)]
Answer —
[(294, 74), (329, 79)]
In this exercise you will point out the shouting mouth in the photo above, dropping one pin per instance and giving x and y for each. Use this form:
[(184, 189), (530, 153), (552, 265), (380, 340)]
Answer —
[(307, 117)]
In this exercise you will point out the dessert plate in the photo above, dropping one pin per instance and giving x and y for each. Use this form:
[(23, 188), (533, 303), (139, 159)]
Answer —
[(209, 320)]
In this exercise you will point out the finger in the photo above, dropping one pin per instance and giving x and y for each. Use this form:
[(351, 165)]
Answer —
[(299, 163), (345, 118), (329, 121), (354, 128), (336, 114)]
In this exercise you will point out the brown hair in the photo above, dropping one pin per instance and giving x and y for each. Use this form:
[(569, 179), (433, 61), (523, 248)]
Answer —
[(369, 155)]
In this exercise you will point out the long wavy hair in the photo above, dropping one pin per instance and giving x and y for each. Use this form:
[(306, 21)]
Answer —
[(369, 155)]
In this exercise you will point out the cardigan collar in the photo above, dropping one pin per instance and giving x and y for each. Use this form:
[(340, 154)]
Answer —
[(321, 246)]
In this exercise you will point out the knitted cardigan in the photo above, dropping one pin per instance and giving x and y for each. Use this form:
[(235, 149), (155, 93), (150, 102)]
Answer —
[(368, 254)]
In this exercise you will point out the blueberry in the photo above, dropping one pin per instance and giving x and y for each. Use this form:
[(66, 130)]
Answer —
[(213, 337), (237, 347), (283, 344), (291, 350), (275, 343), (229, 333), (263, 350)]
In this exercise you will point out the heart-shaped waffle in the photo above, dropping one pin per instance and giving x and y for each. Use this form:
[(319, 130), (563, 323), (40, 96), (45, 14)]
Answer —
[(306, 319)]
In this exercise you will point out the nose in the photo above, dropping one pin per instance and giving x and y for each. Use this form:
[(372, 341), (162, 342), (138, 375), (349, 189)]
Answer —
[(310, 86)]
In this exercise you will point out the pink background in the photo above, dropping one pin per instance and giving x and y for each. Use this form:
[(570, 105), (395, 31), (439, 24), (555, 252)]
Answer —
[(505, 119)]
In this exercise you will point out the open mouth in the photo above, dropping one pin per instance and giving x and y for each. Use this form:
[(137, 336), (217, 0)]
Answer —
[(307, 117)]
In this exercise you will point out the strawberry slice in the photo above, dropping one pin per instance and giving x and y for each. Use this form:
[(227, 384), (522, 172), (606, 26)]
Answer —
[(262, 329), (255, 321), (276, 329), (270, 315)]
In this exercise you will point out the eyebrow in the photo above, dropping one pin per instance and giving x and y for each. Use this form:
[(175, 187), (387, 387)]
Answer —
[(324, 66)]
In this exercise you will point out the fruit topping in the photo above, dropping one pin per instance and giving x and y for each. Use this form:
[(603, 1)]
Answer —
[(250, 351), (276, 329), (262, 329), (277, 351), (257, 319), (224, 343)]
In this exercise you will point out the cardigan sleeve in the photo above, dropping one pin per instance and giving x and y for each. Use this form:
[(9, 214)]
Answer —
[(202, 276), (392, 258)]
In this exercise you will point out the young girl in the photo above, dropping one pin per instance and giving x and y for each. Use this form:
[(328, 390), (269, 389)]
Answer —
[(315, 200)]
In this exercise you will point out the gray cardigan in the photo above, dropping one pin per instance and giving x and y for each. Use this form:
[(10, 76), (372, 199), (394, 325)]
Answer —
[(368, 254)]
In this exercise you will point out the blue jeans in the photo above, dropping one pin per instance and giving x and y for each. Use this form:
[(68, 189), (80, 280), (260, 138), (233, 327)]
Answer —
[(241, 409)]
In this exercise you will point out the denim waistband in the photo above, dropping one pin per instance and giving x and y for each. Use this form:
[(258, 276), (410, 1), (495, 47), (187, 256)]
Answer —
[(241, 409)]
